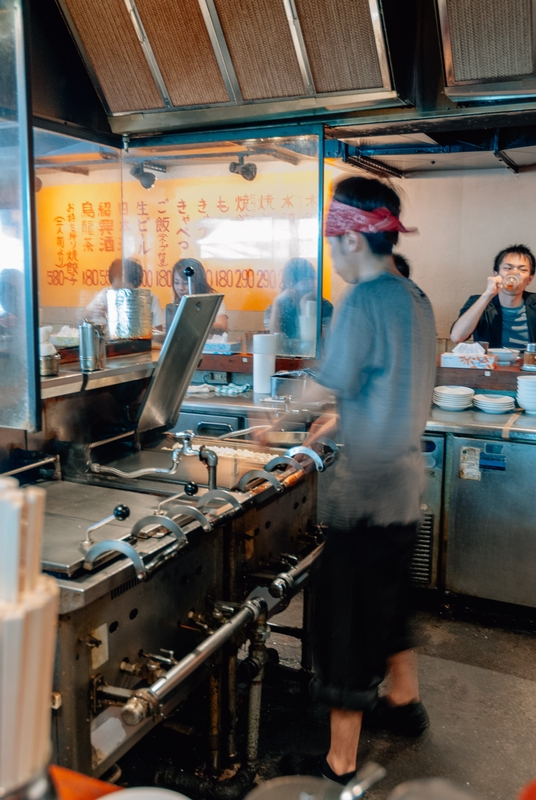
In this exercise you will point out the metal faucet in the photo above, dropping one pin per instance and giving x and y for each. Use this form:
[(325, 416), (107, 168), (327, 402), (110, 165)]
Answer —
[(205, 454), (287, 400), (184, 438), (182, 448)]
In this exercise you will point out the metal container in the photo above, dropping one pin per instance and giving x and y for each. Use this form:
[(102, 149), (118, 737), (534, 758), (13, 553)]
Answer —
[(92, 353), (49, 365), (292, 383), (129, 313)]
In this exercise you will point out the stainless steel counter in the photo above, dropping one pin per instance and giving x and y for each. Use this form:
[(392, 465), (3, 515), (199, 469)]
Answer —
[(516, 426), (118, 370), (128, 368)]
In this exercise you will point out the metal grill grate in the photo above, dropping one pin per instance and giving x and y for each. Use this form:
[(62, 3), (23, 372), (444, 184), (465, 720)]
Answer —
[(260, 45), (111, 44), (421, 564), (490, 40), (340, 44), (182, 47)]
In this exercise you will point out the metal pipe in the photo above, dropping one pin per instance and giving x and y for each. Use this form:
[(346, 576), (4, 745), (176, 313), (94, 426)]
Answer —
[(51, 460), (139, 473), (287, 580), (232, 663), (147, 701), (243, 432), (215, 720), (257, 652), (210, 459)]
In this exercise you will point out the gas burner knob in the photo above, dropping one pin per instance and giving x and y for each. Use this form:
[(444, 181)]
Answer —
[(191, 488), (121, 512)]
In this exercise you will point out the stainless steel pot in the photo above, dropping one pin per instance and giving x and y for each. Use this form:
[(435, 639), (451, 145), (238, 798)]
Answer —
[(129, 313), (49, 365)]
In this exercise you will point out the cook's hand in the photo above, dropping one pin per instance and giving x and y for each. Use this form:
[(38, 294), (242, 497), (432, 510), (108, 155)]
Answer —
[(495, 284), (260, 436)]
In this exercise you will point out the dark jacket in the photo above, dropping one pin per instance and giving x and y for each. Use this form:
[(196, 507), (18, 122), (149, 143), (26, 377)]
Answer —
[(489, 328)]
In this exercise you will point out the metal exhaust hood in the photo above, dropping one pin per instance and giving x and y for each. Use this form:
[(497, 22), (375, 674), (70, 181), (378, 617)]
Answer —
[(160, 65)]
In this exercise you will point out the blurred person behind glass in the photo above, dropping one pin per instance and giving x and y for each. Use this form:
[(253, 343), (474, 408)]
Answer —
[(127, 274), (200, 285), (298, 287)]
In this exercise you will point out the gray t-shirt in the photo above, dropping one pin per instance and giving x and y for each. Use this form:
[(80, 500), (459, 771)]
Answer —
[(380, 363)]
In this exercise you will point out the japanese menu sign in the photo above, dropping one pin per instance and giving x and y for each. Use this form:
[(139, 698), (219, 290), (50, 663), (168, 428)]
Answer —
[(242, 232)]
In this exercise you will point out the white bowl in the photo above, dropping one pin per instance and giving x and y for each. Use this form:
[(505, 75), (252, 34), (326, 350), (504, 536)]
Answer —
[(504, 355), (455, 391)]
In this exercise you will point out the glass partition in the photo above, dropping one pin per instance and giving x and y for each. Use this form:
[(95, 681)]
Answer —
[(19, 386), (79, 228), (243, 215)]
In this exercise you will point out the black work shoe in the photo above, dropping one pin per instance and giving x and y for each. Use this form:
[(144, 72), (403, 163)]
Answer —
[(328, 773), (317, 766), (408, 720)]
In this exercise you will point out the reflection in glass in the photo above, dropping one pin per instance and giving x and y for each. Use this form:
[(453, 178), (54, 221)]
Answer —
[(19, 393), (241, 228), (79, 226), (293, 314), (189, 277)]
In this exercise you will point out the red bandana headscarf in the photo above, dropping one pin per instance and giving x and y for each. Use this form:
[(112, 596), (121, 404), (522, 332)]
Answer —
[(342, 218)]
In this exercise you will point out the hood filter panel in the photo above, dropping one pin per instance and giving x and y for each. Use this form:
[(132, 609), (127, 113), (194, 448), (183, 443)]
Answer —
[(182, 47), (104, 30), (340, 41), (490, 40), (261, 49)]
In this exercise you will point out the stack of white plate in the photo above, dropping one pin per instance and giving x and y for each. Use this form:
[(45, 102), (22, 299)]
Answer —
[(494, 403), (526, 393), (453, 398)]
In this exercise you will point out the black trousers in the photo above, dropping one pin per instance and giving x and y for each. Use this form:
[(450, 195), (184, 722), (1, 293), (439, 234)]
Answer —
[(361, 611)]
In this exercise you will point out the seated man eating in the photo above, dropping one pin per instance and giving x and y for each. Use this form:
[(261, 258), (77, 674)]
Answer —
[(505, 315)]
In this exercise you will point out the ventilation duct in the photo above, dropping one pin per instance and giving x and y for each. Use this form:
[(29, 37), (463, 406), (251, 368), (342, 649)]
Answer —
[(488, 48), (161, 64)]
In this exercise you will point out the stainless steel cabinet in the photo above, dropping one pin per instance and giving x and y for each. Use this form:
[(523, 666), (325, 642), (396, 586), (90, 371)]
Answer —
[(490, 516)]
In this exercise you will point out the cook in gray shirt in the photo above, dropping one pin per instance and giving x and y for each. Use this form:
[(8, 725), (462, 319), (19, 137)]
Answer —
[(380, 364)]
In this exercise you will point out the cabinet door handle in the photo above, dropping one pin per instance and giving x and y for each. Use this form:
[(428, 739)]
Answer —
[(224, 427)]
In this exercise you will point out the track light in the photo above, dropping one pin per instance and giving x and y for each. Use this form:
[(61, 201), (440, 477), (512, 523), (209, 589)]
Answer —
[(247, 171), (146, 179), (144, 172)]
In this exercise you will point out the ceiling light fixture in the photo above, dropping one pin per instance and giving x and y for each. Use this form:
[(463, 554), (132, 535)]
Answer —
[(247, 171), (144, 172)]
